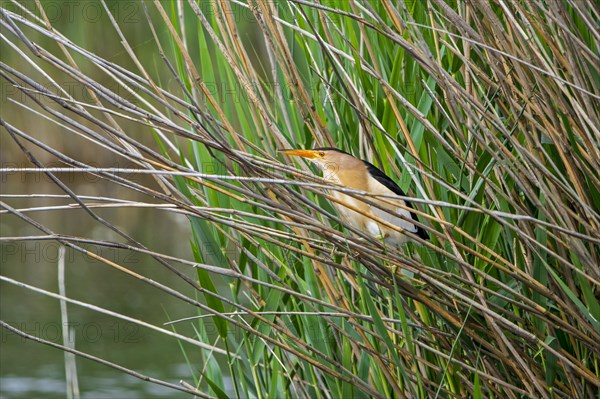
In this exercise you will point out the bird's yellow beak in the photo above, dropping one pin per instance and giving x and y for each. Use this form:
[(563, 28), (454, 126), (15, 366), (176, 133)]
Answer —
[(310, 154)]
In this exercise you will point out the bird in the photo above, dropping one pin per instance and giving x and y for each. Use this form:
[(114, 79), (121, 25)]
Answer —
[(340, 167)]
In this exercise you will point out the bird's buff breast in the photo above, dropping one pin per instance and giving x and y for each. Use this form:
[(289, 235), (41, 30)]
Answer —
[(349, 215), (363, 221)]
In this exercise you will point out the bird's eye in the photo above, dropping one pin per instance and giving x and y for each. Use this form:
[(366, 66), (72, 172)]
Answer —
[(321, 154)]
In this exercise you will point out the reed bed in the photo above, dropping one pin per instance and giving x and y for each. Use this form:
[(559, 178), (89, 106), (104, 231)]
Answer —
[(485, 113)]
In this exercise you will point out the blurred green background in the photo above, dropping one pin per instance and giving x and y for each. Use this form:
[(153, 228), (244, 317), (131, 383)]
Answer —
[(27, 369)]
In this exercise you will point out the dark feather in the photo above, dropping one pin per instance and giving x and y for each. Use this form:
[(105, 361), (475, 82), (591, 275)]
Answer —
[(331, 149), (389, 183)]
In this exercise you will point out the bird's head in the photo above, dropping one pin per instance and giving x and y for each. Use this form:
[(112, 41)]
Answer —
[(330, 160)]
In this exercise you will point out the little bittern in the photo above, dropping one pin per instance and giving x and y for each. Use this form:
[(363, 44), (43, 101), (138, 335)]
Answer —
[(342, 168)]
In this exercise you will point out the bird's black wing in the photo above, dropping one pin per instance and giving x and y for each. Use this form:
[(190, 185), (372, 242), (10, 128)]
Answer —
[(389, 183)]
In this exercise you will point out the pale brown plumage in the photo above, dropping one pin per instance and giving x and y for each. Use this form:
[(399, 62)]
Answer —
[(342, 168)]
